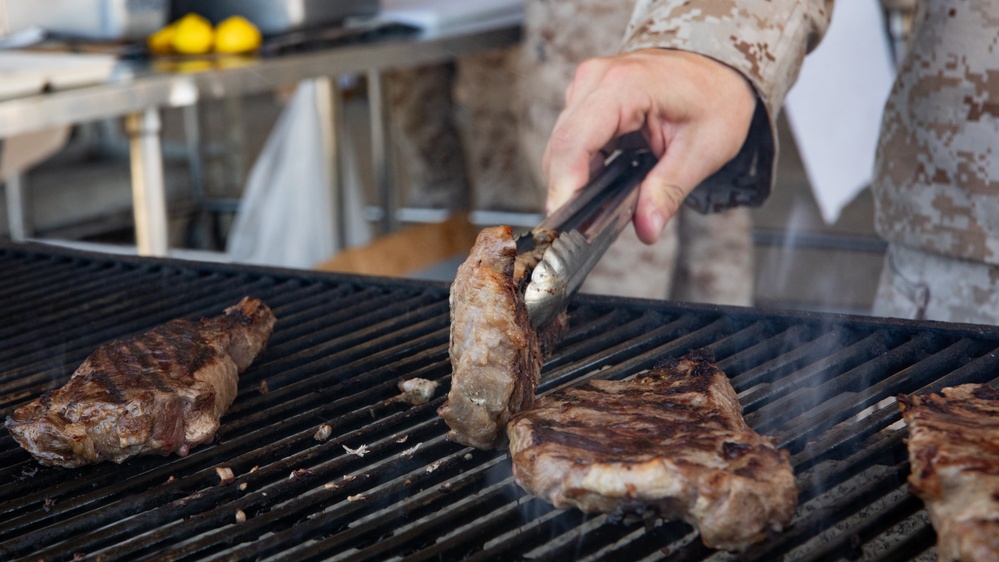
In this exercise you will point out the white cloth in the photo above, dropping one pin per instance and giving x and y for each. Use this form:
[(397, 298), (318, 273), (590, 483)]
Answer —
[(286, 215), (835, 106)]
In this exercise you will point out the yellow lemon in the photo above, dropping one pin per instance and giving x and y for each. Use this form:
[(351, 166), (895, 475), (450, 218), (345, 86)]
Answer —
[(236, 35), (193, 36), (159, 43)]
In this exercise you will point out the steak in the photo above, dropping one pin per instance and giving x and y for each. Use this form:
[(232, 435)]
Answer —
[(496, 355), (954, 457), (670, 443), (160, 392)]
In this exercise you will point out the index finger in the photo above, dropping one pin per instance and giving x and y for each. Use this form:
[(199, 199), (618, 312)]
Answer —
[(579, 136)]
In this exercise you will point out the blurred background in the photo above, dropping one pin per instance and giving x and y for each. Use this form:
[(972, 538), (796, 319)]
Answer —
[(226, 151)]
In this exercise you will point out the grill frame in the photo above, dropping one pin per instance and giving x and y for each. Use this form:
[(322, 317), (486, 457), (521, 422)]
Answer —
[(341, 344)]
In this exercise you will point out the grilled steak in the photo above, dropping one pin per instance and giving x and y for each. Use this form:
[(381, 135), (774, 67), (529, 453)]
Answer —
[(496, 354), (954, 457), (158, 392), (669, 443)]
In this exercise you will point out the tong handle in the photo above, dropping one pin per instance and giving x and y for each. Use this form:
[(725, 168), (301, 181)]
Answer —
[(623, 170), (587, 225)]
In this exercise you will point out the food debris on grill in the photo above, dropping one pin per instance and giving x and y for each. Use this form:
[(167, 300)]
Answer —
[(954, 457), (323, 433), (335, 485), (300, 473), (240, 516), (670, 443), (360, 451), (495, 353), (416, 391), (159, 392), (356, 498), (225, 474)]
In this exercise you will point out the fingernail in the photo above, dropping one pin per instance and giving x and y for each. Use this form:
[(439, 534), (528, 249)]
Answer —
[(555, 200), (656, 222)]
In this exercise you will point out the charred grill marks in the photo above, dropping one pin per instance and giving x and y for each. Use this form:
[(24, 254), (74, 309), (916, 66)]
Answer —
[(954, 452), (158, 392), (671, 443)]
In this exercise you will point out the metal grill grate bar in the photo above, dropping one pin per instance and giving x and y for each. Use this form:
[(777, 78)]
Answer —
[(822, 385)]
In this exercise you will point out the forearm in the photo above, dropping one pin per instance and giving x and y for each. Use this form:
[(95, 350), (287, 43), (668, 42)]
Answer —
[(765, 40)]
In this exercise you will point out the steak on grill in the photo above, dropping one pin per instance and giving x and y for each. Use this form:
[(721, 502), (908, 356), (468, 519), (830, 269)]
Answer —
[(162, 391), (954, 458), (496, 354), (669, 443)]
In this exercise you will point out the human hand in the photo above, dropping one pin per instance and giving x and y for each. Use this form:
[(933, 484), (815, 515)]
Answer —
[(693, 111)]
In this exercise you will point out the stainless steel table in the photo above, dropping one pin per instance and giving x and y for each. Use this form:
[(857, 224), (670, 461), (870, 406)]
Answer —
[(138, 93)]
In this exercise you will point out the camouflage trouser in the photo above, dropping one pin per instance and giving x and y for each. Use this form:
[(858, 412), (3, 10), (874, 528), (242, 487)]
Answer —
[(700, 258), (456, 136), (427, 147), (921, 285)]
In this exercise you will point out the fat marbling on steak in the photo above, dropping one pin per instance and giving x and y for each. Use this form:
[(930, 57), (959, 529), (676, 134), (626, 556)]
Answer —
[(671, 442), (496, 354), (954, 457), (162, 391)]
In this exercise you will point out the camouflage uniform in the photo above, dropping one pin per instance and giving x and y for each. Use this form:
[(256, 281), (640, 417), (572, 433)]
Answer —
[(936, 180), (713, 260)]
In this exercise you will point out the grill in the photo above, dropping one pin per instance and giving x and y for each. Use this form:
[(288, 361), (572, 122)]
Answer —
[(387, 484)]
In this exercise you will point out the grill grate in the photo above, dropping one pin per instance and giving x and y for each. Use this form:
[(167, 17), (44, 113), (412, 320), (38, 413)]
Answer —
[(822, 385)]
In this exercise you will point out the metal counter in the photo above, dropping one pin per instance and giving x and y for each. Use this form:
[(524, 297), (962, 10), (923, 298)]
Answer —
[(136, 92)]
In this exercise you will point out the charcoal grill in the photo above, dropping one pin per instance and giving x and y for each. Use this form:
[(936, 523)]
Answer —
[(386, 484)]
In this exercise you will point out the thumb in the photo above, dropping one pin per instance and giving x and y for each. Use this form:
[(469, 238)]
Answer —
[(660, 195), (658, 202)]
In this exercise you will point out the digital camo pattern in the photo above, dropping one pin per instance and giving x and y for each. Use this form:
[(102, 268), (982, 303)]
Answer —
[(926, 286), (700, 258), (510, 101), (456, 136), (487, 90), (765, 40), (429, 157), (936, 180)]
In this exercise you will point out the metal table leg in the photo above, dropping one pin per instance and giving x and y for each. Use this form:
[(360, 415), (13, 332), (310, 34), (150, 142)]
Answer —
[(381, 151), (330, 109), (148, 191), (18, 219)]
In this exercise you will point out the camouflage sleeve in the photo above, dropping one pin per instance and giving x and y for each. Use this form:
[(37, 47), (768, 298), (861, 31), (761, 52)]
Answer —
[(766, 41)]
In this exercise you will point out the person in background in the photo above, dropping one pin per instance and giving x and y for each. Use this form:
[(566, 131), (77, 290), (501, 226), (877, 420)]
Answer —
[(704, 81), (510, 100)]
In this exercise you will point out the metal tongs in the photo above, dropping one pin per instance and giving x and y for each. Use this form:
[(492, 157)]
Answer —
[(586, 226)]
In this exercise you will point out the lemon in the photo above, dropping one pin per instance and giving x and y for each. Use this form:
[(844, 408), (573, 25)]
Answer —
[(159, 43), (193, 35), (236, 35)]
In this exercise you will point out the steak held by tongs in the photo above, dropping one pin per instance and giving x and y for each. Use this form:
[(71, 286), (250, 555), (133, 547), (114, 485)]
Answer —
[(954, 457), (495, 352), (509, 298), (669, 443), (159, 392)]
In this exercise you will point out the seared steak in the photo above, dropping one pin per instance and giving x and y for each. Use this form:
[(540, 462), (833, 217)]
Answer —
[(496, 354), (669, 443), (158, 392), (954, 457)]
